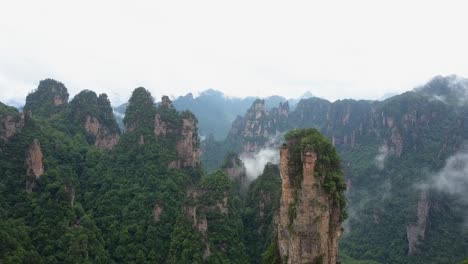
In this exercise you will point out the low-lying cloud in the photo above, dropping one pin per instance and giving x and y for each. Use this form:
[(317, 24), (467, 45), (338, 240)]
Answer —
[(381, 156), (453, 177), (255, 162)]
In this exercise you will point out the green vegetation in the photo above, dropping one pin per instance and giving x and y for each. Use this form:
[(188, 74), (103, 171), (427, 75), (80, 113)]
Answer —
[(327, 165), (90, 206), (389, 151), (261, 205), (212, 233), (128, 205), (140, 111), (49, 98)]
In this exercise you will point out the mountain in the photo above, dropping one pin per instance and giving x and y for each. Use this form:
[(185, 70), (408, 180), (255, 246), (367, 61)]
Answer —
[(312, 199), (450, 89), (400, 160), (357, 181), (73, 190), (214, 110)]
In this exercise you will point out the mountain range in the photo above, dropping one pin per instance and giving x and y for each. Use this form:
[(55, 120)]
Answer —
[(271, 181)]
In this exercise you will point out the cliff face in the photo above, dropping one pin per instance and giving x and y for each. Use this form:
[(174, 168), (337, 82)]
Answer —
[(416, 231), (187, 145), (212, 221), (309, 215), (183, 129), (11, 122), (197, 217), (234, 167), (95, 115), (256, 129), (33, 164), (399, 123), (105, 138)]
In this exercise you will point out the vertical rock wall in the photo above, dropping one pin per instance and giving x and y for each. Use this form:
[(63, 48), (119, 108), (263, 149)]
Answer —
[(309, 221)]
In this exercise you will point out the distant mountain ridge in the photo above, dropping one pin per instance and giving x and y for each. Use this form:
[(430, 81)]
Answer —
[(390, 151), (216, 111)]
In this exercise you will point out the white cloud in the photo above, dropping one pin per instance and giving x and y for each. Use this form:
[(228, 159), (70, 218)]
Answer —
[(452, 179), (336, 49), (381, 156), (255, 162)]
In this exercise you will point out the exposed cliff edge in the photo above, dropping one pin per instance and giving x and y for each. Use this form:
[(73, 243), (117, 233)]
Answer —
[(312, 199), (34, 165), (95, 115)]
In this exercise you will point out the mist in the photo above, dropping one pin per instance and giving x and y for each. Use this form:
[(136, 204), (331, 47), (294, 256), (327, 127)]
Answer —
[(381, 156), (255, 162), (453, 177)]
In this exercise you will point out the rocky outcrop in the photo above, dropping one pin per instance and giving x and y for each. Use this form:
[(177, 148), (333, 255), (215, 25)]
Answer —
[(105, 138), (34, 165), (166, 102), (160, 127), (10, 124), (184, 131), (157, 211), (140, 111), (416, 231), (309, 219), (196, 212), (187, 145), (258, 127), (234, 167), (95, 115), (49, 98), (70, 190)]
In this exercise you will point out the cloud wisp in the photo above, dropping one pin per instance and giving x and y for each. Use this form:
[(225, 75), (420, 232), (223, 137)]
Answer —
[(255, 162), (452, 179), (381, 156)]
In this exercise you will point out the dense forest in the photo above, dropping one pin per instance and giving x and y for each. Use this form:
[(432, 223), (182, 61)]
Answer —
[(74, 188), (403, 159)]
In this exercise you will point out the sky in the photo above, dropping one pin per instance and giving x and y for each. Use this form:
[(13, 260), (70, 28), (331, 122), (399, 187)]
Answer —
[(334, 49)]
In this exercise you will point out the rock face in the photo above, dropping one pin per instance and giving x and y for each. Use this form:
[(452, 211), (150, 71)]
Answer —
[(184, 131), (416, 231), (11, 122), (309, 219), (196, 211), (105, 138), (34, 166), (95, 115), (234, 167), (187, 145), (257, 128), (157, 211), (165, 124), (70, 190)]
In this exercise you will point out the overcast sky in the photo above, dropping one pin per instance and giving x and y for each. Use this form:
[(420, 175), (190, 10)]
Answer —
[(335, 49)]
